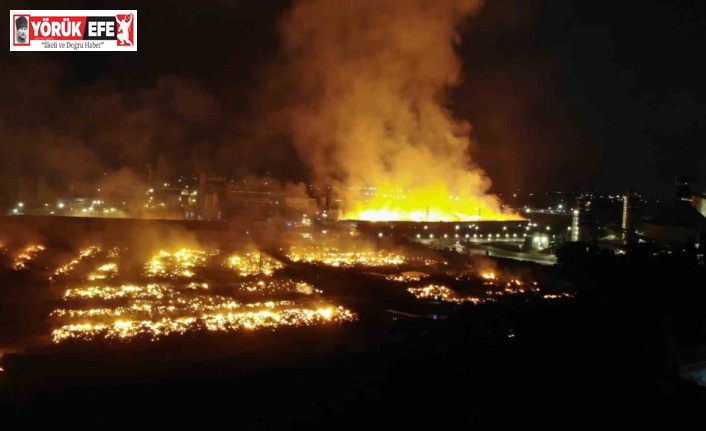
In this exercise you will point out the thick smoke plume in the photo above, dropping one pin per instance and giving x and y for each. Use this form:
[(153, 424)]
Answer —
[(372, 79)]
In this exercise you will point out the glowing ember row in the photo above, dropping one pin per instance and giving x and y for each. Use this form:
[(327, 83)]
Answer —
[(114, 253), (107, 292), (107, 270), (253, 263), (407, 276), (156, 310), (558, 296), (125, 329), (84, 254), (145, 310), (280, 286), (29, 254), (178, 264), (441, 293), (333, 257)]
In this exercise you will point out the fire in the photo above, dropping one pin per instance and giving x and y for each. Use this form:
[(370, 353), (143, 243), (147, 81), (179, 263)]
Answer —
[(332, 256), (253, 263), (178, 264), (125, 291), (558, 296), (125, 329), (29, 254), (488, 276), (84, 254), (425, 206), (371, 116), (155, 310), (441, 293), (107, 270)]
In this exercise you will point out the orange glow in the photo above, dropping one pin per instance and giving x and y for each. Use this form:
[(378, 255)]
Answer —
[(488, 275), (432, 205)]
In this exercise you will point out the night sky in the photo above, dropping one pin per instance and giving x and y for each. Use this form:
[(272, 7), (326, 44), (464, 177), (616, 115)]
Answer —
[(561, 94)]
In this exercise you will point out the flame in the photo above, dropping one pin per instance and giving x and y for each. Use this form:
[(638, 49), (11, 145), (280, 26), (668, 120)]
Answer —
[(29, 254), (488, 275), (332, 256), (425, 205), (253, 263), (371, 116), (177, 264), (442, 293)]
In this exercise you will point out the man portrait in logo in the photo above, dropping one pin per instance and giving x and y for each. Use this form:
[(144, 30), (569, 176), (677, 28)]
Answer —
[(21, 33)]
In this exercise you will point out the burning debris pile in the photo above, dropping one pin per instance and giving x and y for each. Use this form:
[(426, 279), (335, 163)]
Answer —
[(178, 264), (253, 263), (170, 305), (476, 288), (83, 255), (27, 255), (433, 292), (333, 256), (155, 311), (147, 294)]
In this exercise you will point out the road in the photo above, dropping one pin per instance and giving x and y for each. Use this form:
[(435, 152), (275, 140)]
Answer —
[(543, 259)]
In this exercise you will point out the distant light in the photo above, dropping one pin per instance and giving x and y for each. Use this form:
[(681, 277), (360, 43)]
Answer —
[(14, 211), (21, 204), (380, 235), (458, 227), (419, 236), (576, 212), (431, 235), (446, 236), (60, 205), (549, 227)]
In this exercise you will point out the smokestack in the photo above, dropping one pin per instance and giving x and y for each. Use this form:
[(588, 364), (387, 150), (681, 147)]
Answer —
[(626, 214)]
